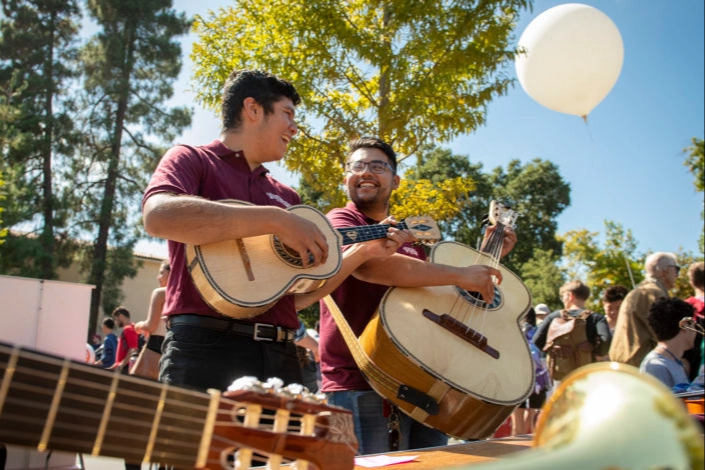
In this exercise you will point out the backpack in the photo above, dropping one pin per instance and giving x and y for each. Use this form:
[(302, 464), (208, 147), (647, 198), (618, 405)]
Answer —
[(567, 345)]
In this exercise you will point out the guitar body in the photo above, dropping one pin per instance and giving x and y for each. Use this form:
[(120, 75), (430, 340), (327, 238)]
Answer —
[(475, 390), (244, 278)]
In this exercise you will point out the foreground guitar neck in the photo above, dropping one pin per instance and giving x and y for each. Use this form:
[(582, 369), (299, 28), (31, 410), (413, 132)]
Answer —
[(51, 403)]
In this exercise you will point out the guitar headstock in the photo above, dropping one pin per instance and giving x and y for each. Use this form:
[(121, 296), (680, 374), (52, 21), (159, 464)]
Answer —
[(265, 422), (424, 229), (499, 213)]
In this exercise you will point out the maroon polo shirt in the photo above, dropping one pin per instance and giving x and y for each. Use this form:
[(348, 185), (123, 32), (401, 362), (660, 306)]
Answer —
[(358, 300), (215, 172)]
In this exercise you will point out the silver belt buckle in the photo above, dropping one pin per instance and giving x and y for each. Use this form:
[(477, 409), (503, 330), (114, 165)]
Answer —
[(256, 335)]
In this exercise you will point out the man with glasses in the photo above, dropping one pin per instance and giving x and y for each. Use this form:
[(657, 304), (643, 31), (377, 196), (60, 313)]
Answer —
[(633, 338), (370, 178)]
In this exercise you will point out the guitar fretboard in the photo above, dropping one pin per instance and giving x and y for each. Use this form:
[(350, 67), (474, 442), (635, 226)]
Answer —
[(367, 232), (47, 402), (52, 403)]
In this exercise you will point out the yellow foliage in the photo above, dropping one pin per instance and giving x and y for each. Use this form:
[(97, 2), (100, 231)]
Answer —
[(412, 73), (421, 197)]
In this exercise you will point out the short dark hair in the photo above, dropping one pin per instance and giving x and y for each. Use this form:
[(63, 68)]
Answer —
[(375, 143), (577, 288), (120, 311), (109, 323), (265, 88), (664, 316), (614, 293), (696, 274)]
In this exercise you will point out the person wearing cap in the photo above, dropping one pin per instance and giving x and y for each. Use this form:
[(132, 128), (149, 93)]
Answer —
[(633, 338), (542, 311)]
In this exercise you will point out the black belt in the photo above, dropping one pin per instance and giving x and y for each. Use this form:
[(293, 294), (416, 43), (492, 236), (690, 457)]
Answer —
[(255, 331)]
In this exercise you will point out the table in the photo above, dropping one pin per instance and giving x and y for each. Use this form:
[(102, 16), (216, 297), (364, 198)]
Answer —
[(461, 454)]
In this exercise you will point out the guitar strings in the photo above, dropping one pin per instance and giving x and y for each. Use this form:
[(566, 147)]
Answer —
[(69, 412), (474, 312)]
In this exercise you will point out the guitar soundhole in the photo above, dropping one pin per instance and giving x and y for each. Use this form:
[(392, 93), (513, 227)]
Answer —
[(287, 255), (475, 298)]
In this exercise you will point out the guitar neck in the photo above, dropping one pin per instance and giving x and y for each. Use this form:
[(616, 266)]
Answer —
[(493, 244), (47, 402), (365, 233), (51, 403)]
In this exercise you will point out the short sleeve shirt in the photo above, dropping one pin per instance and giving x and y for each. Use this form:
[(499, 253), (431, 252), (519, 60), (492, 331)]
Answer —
[(128, 340), (358, 300), (666, 369), (215, 172)]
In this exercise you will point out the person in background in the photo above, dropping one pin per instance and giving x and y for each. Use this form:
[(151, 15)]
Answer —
[(127, 345), (109, 347), (154, 327), (542, 311), (586, 340), (695, 357), (612, 298), (665, 361), (524, 417), (633, 338), (96, 341), (307, 352)]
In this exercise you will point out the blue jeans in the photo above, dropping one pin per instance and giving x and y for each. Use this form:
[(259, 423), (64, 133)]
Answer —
[(371, 426), (201, 358)]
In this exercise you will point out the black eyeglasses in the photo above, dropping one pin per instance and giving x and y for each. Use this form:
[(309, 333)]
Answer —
[(376, 166), (677, 268)]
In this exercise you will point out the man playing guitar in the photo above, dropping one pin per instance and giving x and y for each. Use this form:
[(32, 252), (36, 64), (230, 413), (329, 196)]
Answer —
[(370, 179)]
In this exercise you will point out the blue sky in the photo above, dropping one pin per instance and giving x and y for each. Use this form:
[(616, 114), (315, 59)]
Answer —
[(626, 164)]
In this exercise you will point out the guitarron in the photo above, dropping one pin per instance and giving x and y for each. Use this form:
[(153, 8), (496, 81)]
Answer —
[(456, 363), (243, 278)]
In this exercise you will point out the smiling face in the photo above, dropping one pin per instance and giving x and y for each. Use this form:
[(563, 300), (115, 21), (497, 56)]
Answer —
[(370, 191), (272, 131)]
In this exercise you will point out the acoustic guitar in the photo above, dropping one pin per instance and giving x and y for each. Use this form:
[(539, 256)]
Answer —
[(458, 364), (244, 277), (51, 403)]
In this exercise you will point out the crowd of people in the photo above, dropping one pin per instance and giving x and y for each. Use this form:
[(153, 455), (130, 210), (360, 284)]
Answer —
[(643, 327), (202, 349)]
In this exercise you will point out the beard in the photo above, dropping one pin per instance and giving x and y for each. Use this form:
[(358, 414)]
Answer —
[(369, 203)]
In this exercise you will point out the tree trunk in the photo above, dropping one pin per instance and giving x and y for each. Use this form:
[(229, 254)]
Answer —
[(47, 238), (100, 249)]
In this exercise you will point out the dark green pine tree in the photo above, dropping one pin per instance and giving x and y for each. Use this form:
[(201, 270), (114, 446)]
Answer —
[(130, 66), (37, 62)]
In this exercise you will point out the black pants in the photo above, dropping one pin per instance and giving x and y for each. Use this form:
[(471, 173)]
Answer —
[(202, 358)]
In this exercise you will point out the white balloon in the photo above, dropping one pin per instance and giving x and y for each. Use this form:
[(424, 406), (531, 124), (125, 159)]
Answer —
[(573, 57)]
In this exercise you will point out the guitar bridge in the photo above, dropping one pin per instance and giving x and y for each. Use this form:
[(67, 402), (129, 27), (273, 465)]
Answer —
[(462, 331)]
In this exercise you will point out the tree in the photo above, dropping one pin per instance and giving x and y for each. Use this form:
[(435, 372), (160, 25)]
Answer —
[(543, 277), (615, 262), (130, 66), (412, 72), (695, 162), (536, 190), (37, 49), (683, 289)]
